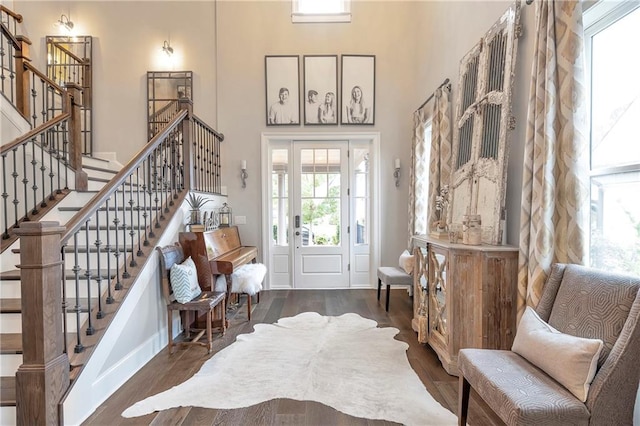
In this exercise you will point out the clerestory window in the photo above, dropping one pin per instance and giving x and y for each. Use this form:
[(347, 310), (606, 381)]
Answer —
[(321, 11)]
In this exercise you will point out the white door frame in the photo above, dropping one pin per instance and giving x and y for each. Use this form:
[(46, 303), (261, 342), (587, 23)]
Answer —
[(371, 138)]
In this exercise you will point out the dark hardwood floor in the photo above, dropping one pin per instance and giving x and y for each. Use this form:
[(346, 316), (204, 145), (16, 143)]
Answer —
[(165, 371)]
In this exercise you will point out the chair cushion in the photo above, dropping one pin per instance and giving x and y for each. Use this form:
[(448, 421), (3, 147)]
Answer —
[(184, 281), (393, 275), (519, 392), (406, 262)]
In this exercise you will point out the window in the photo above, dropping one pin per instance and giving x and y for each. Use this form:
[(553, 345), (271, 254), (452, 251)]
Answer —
[(321, 10), (422, 159), (613, 73)]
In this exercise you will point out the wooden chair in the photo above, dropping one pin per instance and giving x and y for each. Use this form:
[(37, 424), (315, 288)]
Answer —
[(206, 302)]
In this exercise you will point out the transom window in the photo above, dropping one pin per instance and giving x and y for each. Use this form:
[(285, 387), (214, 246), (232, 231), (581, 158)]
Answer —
[(321, 10), (613, 71)]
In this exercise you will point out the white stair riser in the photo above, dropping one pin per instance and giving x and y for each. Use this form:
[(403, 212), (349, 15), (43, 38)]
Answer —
[(11, 289), (12, 323), (8, 416), (9, 364)]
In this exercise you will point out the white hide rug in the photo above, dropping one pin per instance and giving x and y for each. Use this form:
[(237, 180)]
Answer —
[(345, 362)]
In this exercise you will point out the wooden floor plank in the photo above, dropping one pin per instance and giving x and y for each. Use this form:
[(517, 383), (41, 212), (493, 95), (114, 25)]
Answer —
[(165, 371)]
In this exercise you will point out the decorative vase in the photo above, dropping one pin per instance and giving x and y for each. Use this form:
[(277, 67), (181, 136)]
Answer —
[(196, 217)]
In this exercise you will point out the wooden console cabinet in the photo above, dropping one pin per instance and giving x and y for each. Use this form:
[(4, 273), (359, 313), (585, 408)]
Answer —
[(469, 297)]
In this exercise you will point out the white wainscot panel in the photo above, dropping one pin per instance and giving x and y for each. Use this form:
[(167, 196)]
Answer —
[(361, 263), (322, 264)]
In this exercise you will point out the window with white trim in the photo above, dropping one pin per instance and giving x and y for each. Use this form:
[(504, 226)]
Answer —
[(613, 77), (320, 10)]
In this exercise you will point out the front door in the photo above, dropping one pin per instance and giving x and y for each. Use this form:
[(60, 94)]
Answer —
[(321, 229), (320, 212)]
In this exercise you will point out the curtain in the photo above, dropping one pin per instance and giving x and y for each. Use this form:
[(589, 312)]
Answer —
[(555, 191), (440, 157), (418, 177)]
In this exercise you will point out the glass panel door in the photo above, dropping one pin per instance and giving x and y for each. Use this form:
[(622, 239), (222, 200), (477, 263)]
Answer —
[(321, 215)]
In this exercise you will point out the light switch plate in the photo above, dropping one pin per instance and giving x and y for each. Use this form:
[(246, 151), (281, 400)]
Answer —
[(240, 220)]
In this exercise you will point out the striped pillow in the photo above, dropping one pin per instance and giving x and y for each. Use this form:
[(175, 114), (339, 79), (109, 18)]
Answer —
[(184, 281)]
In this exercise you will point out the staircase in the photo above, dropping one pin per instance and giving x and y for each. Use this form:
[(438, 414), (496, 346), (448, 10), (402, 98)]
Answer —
[(99, 172), (93, 244)]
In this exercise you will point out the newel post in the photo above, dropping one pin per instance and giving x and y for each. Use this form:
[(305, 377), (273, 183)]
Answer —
[(43, 377), (186, 103), (23, 91), (73, 104)]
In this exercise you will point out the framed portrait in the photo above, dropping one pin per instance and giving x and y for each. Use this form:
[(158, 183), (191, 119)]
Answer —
[(282, 81), (320, 90), (358, 89)]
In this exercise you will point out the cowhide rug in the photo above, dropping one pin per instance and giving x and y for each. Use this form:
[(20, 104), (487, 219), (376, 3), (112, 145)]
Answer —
[(345, 362)]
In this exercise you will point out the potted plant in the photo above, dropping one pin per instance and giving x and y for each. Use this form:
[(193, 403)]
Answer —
[(196, 202)]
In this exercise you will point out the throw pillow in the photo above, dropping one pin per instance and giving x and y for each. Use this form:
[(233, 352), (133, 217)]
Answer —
[(572, 361), (205, 278), (406, 262), (184, 281)]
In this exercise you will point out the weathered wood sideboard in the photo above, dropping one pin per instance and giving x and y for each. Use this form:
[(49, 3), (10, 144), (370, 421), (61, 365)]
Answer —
[(464, 297)]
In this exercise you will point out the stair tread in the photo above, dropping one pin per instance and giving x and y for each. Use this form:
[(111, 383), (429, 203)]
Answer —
[(10, 306), (102, 209), (7, 391), (105, 180), (10, 343), (99, 169), (82, 249), (14, 274)]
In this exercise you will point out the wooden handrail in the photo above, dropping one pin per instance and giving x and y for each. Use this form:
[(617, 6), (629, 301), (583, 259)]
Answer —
[(10, 36), (68, 52), (88, 210), (40, 129), (37, 72), (10, 12)]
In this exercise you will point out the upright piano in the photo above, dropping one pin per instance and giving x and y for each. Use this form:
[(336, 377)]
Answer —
[(222, 249)]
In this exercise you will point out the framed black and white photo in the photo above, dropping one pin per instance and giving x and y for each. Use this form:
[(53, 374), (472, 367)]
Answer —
[(320, 89), (282, 82), (358, 89)]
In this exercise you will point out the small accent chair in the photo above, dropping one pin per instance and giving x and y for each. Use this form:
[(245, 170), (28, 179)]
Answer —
[(582, 302), (392, 275), (247, 280), (206, 302)]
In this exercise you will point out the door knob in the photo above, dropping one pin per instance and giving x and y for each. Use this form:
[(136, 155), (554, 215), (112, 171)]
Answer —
[(297, 233)]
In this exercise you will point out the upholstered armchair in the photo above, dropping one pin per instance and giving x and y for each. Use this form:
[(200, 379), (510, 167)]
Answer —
[(587, 320)]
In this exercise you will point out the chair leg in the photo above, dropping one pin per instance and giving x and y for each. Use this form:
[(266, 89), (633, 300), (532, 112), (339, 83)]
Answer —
[(170, 329), (379, 287), (209, 334), (224, 317), (464, 390), (387, 304), (248, 306)]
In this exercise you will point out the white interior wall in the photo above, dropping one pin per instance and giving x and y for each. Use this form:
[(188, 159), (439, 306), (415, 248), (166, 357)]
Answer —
[(417, 45)]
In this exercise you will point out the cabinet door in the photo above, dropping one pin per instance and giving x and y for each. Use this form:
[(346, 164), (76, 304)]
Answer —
[(438, 297)]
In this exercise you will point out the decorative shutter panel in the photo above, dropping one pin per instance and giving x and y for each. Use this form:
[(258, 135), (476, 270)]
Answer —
[(480, 165)]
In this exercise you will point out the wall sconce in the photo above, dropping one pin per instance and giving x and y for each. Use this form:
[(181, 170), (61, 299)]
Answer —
[(396, 172), (166, 48), (65, 22), (243, 174)]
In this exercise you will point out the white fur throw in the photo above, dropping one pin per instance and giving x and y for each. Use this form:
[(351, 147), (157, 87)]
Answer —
[(246, 279)]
